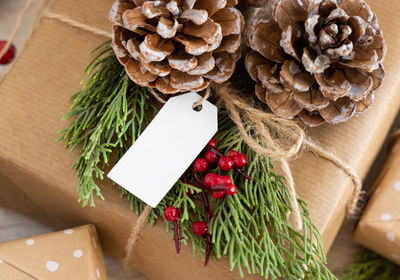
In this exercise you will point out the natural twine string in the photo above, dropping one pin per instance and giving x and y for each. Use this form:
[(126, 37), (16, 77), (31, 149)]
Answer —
[(134, 235), (240, 111), (291, 137)]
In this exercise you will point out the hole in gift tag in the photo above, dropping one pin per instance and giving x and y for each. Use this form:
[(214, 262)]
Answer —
[(197, 108)]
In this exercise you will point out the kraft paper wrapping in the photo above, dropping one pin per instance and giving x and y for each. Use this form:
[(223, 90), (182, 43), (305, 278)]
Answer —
[(379, 227), (65, 255), (35, 171)]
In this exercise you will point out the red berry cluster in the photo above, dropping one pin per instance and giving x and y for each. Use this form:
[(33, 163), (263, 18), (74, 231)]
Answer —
[(225, 163), (218, 185)]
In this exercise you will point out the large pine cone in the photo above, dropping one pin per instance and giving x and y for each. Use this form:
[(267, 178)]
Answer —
[(318, 60), (177, 46)]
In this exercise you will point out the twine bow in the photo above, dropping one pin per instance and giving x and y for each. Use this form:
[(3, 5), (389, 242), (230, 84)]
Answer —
[(265, 133)]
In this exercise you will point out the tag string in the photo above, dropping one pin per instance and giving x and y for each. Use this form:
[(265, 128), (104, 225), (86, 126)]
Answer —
[(199, 103), (134, 235), (263, 126)]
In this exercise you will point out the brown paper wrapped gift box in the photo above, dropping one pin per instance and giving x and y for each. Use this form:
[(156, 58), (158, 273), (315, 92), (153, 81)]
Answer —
[(35, 174), (379, 227), (68, 254)]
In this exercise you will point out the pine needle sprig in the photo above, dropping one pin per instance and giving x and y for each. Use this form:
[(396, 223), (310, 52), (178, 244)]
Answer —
[(264, 241), (369, 265), (107, 115), (251, 229)]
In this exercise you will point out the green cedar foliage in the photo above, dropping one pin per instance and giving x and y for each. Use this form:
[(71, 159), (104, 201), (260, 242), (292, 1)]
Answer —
[(251, 228), (371, 266)]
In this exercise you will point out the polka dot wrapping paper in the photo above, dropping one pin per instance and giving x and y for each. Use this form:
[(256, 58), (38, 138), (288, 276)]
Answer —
[(379, 227), (65, 255)]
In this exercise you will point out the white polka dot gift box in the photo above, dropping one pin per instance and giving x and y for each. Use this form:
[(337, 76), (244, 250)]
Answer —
[(65, 255), (379, 227)]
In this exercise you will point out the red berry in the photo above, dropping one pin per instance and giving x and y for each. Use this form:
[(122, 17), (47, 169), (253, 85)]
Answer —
[(211, 180), (240, 160), (9, 55), (212, 143), (200, 165), (225, 163), (211, 157), (171, 213), (199, 228), (225, 181), (218, 194), (230, 190), (233, 153)]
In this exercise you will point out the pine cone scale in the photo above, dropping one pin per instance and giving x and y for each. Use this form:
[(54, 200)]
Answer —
[(312, 100)]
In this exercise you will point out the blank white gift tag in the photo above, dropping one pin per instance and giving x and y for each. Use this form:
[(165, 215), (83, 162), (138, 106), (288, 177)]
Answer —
[(166, 148)]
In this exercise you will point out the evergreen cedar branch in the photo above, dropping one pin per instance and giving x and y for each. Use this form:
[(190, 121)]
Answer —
[(251, 228), (369, 265)]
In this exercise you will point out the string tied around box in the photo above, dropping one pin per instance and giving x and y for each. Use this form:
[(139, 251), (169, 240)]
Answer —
[(257, 128)]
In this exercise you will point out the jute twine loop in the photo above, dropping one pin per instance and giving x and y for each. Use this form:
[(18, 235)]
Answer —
[(291, 135), (198, 103), (253, 125), (241, 112), (157, 96)]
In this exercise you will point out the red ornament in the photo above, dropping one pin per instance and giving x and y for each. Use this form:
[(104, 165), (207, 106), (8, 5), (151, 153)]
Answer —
[(211, 180), (230, 190), (233, 153), (225, 181), (212, 143), (171, 213), (199, 228), (218, 194), (200, 165), (225, 163), (211, 157), (9, 55), (240, 160)]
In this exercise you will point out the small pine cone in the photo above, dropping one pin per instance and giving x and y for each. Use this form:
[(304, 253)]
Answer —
[(320, 61), (179, 45)]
